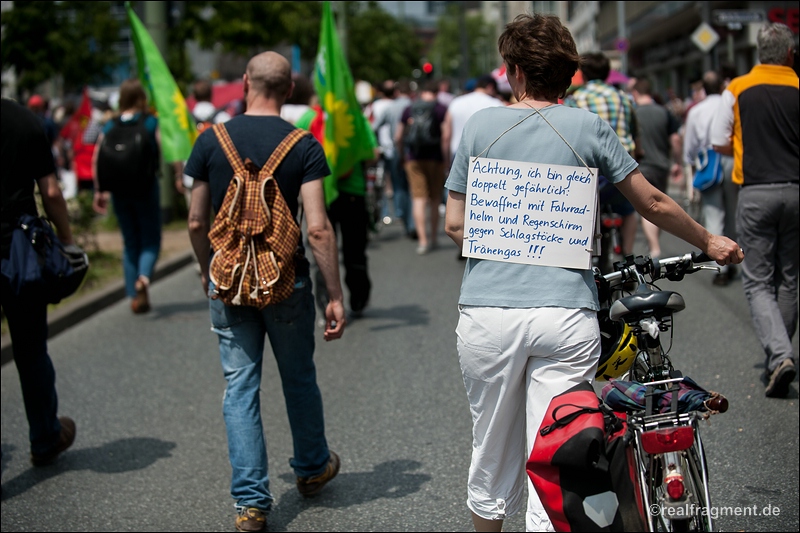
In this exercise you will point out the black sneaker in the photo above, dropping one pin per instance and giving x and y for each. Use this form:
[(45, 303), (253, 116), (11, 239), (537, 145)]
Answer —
[(251, 519), (65, 440), (779, 380), (310, 486)]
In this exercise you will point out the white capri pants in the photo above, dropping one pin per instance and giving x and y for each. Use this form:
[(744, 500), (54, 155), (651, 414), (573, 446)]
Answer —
[(513, 361)]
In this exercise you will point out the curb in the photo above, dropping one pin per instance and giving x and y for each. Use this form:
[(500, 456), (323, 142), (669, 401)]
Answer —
[(81, 309)]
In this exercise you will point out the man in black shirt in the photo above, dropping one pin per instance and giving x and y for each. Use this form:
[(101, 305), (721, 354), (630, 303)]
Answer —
[(26, 158), (289, 324)]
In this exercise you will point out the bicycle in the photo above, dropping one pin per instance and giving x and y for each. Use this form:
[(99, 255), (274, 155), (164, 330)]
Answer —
[(610, 228), (668, 451), (610, 238)]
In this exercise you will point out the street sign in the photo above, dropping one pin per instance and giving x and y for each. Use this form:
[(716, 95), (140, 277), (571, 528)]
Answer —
[(704, 37), (737, 17)]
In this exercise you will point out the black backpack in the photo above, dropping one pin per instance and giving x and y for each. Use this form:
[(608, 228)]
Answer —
[(127, 160), (423, 134)]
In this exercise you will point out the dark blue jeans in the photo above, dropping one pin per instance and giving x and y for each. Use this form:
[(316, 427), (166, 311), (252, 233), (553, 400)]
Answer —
[(140, 223), (27, 325)]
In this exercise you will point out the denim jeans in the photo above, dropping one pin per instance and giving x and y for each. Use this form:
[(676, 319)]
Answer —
[(290, 328), (140, 223), (402, 201), (27, 325)]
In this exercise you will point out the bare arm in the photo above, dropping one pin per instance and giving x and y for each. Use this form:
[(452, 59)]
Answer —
[(398, 142), (722, 125), (454, 217), (662, 211), (676, 170), (677, 147), (447, 135), (55, 206), (100, 202), (725, 149), (199, 224), (322, 241)]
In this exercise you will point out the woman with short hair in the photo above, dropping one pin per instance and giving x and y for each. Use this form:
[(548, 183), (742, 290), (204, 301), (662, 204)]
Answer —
[(528, 332)]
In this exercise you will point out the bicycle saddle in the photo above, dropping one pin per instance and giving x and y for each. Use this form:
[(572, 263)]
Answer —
[(649, 302)]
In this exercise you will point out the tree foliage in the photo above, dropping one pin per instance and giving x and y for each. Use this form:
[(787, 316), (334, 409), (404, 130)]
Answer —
[(481, 44), (378, 45), (71, 39), (246, 28), (76, 39)]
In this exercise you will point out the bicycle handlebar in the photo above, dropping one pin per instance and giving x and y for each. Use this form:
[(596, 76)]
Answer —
[(673, 268)]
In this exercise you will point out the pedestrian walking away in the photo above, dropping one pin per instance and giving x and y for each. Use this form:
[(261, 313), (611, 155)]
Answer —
[(519, 349), (616, 108), (289, 324), (419, 144), (661, 148), (401, 99), (759, 124), (27, 159), (719, 201), (125, 166), (349, 218)]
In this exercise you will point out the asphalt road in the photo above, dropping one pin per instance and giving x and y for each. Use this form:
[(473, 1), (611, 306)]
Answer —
[(151, 452)]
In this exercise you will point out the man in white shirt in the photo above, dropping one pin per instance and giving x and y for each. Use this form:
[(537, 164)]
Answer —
[(458, 112), (719, 201), (461, 108), (389, 117)]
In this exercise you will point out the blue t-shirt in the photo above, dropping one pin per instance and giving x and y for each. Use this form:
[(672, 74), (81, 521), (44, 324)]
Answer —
[(501, 284)]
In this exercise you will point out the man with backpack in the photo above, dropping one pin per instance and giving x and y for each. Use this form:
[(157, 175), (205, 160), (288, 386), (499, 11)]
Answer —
[(125, 166), (248, 141), (419, 144)]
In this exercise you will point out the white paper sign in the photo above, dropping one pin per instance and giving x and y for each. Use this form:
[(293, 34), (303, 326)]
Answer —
[(530, 213)]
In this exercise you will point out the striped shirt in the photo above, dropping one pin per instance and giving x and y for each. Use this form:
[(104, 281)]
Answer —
[(611, 104)]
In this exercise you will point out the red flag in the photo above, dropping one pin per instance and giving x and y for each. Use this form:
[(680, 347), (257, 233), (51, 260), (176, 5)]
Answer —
[(80, 119)]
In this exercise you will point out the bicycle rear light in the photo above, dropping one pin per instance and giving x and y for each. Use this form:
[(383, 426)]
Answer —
[(675, 488), (612, 222), (667, 439)]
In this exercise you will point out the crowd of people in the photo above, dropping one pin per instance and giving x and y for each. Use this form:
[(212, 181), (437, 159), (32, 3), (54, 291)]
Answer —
[(540, 342)]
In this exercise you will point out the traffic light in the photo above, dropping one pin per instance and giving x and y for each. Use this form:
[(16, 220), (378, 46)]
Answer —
[(427, 68)]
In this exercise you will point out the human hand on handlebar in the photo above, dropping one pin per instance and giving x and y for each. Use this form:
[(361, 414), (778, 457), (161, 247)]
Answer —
[(724, 251)]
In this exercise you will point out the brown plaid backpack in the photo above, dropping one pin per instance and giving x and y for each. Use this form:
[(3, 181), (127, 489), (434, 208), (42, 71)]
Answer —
[(254, 235)]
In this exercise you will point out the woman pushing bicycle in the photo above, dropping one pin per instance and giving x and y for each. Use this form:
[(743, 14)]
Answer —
[(527, 332)]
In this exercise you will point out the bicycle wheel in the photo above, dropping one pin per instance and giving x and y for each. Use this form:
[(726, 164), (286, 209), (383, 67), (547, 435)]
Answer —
[(698, 482)]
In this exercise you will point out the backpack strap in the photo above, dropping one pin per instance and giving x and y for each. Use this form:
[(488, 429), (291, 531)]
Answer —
[(281, 151), (230, 150)]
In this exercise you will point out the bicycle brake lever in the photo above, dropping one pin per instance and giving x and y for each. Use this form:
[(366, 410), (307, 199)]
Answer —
[(677, 274)]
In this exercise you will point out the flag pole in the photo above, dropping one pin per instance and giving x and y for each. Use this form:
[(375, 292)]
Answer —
[(155, 18)]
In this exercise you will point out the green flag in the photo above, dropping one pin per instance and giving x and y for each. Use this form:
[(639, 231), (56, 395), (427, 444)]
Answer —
[(348, 135), (176, 124)]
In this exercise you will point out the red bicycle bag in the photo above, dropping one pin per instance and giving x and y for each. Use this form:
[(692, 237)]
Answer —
[(582, 468)]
